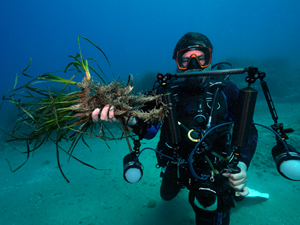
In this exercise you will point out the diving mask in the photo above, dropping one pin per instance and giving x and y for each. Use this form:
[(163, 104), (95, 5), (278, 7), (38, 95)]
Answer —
[(193, 57)]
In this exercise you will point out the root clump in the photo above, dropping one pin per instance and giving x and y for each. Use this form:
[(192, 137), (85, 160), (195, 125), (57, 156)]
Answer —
[(96, 95)]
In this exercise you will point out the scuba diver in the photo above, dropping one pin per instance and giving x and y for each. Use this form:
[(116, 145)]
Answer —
[(199, 103)]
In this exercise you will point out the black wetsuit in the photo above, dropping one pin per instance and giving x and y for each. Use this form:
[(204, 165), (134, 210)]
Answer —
[(177, 173)]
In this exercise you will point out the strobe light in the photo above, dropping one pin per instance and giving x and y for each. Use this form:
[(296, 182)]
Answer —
[(287, 162), (132, 168)]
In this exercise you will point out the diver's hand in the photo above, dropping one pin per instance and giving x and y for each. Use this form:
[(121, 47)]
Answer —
[(238, 181), (108, 114)]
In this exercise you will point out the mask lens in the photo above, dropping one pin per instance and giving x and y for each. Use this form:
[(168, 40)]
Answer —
[(193, 57)]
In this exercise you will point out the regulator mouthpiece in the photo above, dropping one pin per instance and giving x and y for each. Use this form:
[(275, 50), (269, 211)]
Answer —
[(132, 168), (287, 162)]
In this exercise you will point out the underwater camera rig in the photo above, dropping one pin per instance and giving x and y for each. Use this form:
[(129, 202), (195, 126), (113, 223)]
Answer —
[(286, 158)]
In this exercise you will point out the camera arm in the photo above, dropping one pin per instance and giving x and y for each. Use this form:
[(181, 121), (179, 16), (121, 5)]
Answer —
[(253, 75)]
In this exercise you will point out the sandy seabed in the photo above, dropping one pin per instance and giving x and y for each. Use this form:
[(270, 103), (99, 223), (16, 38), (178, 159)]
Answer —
[(37, 194)]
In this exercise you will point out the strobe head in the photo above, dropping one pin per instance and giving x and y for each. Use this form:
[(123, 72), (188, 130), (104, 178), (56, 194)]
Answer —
[(132, 168), (287, 162)]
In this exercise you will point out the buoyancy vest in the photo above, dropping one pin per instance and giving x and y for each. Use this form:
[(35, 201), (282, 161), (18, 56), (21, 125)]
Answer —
[(187, 108)]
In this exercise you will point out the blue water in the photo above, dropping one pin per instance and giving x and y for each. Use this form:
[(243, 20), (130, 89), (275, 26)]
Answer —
[(138, 37)]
